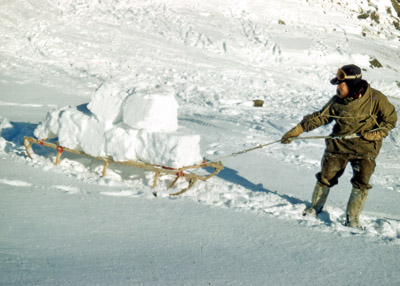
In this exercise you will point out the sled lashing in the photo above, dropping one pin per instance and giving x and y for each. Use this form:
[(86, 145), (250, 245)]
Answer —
[(183, 172)]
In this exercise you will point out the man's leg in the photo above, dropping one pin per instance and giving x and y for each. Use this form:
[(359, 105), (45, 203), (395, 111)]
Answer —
[(332, 167), (363, 168), (355, 206), (318, 199)]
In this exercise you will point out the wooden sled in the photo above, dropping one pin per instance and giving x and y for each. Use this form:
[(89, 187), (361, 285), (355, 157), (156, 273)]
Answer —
[(182, 172)]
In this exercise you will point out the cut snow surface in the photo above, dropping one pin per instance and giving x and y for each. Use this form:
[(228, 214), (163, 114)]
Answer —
[(107, 100), (173, 81), (153, 112)]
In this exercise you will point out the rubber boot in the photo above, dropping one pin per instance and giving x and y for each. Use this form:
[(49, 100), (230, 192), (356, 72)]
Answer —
[(354, 207), (319, 196)]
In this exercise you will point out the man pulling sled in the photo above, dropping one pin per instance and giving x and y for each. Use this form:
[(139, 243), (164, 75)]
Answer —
[(357, 108)]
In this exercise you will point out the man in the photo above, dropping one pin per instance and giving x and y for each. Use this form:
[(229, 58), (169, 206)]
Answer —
[(356, 109)]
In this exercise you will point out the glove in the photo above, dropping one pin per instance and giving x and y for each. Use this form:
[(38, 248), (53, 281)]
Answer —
[(373, 136), (294, 132)]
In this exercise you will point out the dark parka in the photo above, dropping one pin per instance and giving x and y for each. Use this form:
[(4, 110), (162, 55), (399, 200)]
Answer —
[(354, 115)]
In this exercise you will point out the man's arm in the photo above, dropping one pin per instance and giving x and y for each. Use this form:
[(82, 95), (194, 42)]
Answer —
[(387, 118), (309, 123), (319, 118)]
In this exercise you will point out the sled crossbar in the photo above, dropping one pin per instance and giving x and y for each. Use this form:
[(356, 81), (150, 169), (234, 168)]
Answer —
[(192, 178)]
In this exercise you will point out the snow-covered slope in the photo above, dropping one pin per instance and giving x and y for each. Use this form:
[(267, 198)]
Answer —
[(67, 226)]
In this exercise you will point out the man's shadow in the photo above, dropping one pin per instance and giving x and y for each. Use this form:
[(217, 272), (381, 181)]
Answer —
[(231, 175)]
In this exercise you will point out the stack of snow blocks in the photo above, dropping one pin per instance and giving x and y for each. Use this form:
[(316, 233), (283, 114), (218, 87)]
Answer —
[(127, 125)]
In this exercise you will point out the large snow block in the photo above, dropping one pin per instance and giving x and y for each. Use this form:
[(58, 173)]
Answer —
[(72, 125), (49, 128), (171, 149), (120, 143), (106, 102), (92, 140), (156, 112)]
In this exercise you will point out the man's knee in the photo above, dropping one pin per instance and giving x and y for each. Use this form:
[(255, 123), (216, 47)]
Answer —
[(362, 172), (362, 185), (326, 181), (332, 169)]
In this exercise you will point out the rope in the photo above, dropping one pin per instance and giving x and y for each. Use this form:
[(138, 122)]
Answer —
[(332, 137), (351, 136), (245, 151)]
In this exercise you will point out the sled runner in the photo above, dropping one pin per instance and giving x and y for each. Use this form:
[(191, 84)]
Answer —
[(182, 172)]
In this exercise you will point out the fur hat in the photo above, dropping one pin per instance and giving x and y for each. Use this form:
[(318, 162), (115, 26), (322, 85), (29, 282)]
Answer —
[(347, 73), (352, 76)]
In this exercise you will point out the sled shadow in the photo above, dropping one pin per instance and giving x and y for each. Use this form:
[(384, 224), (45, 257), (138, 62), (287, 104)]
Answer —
[(232, 176), (14, 135), (16, 131)]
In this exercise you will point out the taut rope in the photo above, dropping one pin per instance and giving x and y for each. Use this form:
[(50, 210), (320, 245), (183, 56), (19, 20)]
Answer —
[(332, 137)]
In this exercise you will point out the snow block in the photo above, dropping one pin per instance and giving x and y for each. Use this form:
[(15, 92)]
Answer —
[(120, 143), (106, 102), (92, 139), (49, 128), (157, 112), (73, 122), (171, 149)]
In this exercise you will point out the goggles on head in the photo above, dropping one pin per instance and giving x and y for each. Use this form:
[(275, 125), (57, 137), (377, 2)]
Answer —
[(341, 75)]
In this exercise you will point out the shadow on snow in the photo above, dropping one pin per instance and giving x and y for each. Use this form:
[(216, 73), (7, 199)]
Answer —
[(14, 135), (232, 176)]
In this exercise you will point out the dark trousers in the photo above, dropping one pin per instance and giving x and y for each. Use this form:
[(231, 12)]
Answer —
[(333, 166)]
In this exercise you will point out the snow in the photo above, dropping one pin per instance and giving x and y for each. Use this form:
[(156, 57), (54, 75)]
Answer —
[(73, 70)]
